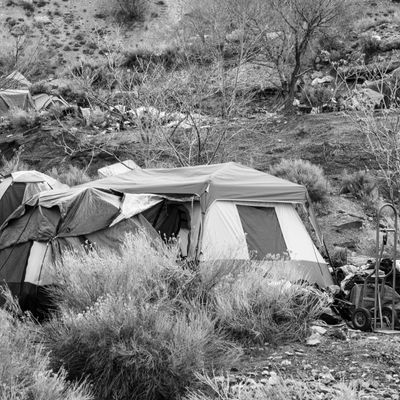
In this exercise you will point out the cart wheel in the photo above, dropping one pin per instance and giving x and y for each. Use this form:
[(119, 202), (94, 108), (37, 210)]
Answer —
[(387, 317), (361, 319)]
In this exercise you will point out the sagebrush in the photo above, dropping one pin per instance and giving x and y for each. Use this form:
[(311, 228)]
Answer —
[(304, 173), (145, 329)]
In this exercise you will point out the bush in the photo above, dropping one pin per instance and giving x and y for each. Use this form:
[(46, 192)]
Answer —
[(145, 330), (13, 164), (131, 10), (134, 333), (24, 365), (256, 306), (304, 173), (315, 96), (360, 184), (21, 119), (71, 176)]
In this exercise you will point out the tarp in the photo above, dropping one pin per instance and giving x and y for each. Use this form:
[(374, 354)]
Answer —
[(117, 168), (230, 181)]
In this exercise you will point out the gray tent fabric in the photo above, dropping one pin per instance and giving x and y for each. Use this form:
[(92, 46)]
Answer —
[(11, 99), (209, 183), (15, 80), (263, 233), (11, 200), (44, 101), (57, 220)]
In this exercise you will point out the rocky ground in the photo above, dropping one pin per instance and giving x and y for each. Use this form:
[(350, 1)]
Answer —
[(368, 362)]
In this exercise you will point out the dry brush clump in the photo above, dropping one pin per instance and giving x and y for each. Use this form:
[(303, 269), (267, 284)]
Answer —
[(137, 323), (71, 175), (128, 324), (304, 173), (257, 303)]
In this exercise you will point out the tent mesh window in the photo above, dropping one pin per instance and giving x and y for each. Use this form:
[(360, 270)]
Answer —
[(263, 232)]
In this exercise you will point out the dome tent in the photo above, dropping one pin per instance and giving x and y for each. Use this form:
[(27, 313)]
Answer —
[(19, 186), (228, 211), (36, 235)]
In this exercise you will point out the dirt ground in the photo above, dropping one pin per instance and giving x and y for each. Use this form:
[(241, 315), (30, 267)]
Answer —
[(368, 362)]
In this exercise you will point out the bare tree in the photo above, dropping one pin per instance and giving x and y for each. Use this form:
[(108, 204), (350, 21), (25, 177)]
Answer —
[(271, 32)]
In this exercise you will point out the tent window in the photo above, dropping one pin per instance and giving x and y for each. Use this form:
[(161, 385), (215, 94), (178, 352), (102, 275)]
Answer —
[(263, 232)]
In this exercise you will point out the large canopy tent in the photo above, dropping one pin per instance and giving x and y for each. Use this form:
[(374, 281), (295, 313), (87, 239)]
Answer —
[(19, 186), (35, 236), (228, 211)]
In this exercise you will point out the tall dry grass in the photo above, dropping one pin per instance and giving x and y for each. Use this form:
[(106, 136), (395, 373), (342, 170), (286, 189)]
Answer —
[(130, 324), (142, 325)]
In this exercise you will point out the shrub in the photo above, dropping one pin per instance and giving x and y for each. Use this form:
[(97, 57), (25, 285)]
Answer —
[(24, 365), (13, 164), (21, 119), (257, 306), (304, 173), (134, 333), (315, 96), (360, 184), (370, 45), (131, 10), (71, 175)]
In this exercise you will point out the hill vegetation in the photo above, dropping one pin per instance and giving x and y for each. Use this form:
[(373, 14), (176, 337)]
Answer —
[(307, 90)]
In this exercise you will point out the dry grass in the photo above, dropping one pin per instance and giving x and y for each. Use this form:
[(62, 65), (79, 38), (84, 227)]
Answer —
[(304, 173), (13, 164), (141, 324), (71, 176), (134, 332)]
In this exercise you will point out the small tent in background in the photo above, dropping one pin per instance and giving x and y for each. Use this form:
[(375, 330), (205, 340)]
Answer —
[(37, 234), (11, 99), (117, 168), (15, 81), (44, 101), (228, 211), (20, 186)]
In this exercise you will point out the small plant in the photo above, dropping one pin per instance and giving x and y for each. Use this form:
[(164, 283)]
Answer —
[(316, 96), (21, 119), (360, 184), (131, 10), (71, 176), (304, 173), (370, 45), (27, 6), (13, 164)]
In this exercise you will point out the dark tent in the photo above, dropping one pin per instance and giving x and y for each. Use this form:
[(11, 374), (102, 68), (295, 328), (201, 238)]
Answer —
[(20, 186), (39, 231)]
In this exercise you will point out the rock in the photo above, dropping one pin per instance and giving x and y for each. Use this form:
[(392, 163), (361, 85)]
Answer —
[(318, 329), (314, 339), (353, 224), (273, 379)]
